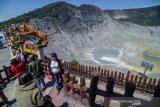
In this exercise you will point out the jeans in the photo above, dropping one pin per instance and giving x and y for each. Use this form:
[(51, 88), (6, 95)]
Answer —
[(57, 83), (40, 81)]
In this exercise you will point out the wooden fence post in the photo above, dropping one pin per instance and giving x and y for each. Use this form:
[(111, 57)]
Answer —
[(95, 69), (148, 86), (129, 89), (139, 82), (86, 67), (153, 85), (66, 79), (76, 69), (108, 73), (105, 74), (111, 74), (70, 66), (93, 88), (115, 76), (110, 84), (122, 79), (82, 84), (90, 70), (101, 75), (67, 65), (131, 79), (73, 80), (157, 91), (79, 69), (99, 68), (144, 83), (119, 77), (63, 65), (135, 80), (83, 70), (127, 77)]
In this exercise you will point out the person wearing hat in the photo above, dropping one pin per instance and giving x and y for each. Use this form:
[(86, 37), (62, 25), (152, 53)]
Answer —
[(27, 94), (36, 69)]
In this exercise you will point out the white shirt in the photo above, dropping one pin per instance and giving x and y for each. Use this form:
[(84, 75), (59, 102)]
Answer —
[(54, 66)]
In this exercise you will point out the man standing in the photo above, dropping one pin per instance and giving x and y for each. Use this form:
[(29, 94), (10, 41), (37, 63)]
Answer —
[(36, 69), (56, 70)]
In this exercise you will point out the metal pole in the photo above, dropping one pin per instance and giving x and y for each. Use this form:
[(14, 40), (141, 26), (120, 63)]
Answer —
[(145, 72)]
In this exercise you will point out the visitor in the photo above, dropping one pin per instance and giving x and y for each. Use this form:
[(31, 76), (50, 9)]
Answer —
[(17, 67), (36, 69), (11, 44), (56, 70), (19, 56), (27, 95)]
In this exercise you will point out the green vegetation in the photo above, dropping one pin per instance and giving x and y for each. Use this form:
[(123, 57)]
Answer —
[(74, 62), (51, 10), (143, 16)]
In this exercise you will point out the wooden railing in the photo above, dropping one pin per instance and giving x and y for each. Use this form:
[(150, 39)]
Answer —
[(88, 94), (145, 84), (142, 83), (5, 74)]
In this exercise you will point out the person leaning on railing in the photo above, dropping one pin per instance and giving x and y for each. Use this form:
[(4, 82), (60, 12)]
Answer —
[(18, 67)]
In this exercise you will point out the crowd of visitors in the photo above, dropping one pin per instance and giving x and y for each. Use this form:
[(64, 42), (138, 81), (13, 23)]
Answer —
[(28, 71), (30, 75)]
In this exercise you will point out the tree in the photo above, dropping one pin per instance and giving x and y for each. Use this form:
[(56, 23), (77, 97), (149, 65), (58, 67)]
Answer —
[(74, 62)]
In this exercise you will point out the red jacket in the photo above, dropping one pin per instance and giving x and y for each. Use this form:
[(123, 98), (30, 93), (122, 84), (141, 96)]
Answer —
[(18, 69)]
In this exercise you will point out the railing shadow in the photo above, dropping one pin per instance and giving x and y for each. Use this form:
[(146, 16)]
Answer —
[(49, 84)]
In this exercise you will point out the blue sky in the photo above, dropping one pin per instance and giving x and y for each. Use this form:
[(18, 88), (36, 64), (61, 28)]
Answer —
[(13, 8)]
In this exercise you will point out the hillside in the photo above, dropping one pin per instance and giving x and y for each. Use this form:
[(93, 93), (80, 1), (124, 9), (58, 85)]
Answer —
[(88, 34), (51, 10), (149, 16), (144, 16)]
